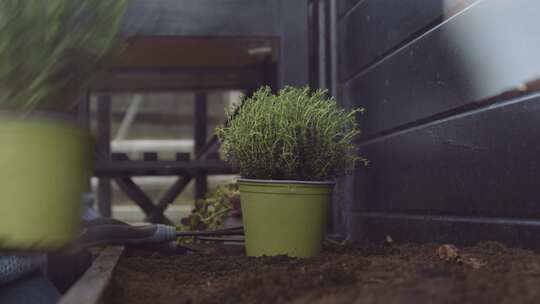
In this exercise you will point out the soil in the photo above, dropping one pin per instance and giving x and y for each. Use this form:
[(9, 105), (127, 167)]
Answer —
[(368, 273)]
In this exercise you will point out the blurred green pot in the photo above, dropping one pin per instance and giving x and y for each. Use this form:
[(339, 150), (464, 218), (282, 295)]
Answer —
[(44, 169), (284, 217)]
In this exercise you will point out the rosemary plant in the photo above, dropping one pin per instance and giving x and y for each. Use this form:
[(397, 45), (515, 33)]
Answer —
[(293, 135), (52, 49)]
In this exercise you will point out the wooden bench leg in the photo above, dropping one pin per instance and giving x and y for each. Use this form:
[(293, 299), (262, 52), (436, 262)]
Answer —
[(104, 146), (200, 130), (135, 193)]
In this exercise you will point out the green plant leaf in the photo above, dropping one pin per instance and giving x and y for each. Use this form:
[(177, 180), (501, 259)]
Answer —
[(50, 51), (296, 134)]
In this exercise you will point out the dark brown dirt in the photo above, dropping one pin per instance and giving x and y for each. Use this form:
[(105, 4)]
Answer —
[(364, 274)]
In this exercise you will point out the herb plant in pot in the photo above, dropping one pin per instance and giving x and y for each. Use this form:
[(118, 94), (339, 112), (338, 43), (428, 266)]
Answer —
[(50, 51), (289, 148)]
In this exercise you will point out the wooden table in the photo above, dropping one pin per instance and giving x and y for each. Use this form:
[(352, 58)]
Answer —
[(195, 45)]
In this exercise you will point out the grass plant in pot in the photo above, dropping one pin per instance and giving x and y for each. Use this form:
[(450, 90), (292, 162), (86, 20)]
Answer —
[(50, 51), (289, 148)]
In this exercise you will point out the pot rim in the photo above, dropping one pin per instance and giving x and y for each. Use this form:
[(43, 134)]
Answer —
[(279, 181)]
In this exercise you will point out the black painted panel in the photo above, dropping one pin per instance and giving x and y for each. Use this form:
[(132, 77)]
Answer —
[(467, 58), (343, 6), (454, 230), (294, 61), (203, 18), (376, 27), (483, 163)]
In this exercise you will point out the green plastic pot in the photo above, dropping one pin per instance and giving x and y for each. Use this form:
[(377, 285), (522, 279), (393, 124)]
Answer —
[(44, 170), (284, 217)]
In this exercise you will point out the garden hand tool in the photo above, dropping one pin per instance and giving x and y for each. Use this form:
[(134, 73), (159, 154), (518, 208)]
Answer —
[(98, 231), (159, 237), (110, 231), (103, 231)]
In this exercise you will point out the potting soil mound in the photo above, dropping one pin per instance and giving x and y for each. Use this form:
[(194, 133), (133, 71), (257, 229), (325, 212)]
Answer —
[(368, 273)]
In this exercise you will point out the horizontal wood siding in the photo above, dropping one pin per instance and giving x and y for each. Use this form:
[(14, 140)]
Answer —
[(344, 6), (449, 66), (448, 161), (374, 29), (445, 229), (482, 163)]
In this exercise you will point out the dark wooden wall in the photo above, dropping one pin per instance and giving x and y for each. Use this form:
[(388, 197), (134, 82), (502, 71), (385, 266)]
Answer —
[(452, 160)]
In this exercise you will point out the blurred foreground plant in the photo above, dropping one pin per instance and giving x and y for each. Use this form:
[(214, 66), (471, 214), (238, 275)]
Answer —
[(51, 50)]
